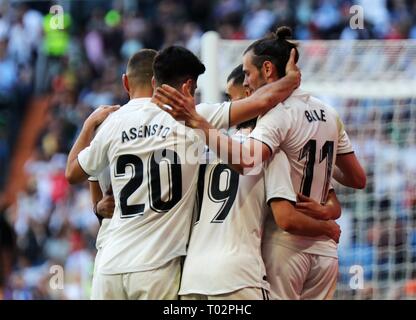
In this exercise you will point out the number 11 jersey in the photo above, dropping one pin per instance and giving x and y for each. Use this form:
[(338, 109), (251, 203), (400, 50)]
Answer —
[(312, 135)]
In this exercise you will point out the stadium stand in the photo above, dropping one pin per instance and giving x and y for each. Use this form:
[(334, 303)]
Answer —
[(80, 68)]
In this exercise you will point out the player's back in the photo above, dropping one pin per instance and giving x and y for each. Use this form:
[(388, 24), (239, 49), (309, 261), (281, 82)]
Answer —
[(153, 186), (308, 131), (311, 144), (224, 252)]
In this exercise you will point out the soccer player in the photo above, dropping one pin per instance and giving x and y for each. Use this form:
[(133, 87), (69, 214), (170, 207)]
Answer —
[(224, 259), (154, 185), (137, 82), (314, 139)]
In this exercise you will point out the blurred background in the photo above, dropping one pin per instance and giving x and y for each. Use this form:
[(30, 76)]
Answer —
[(52, 79)]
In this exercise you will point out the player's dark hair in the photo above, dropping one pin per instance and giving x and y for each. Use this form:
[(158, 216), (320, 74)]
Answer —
[(274, 48), (237, 75), (140, 67), (174, 65)]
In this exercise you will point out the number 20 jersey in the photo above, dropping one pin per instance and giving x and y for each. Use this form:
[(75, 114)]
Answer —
[(154, 179)]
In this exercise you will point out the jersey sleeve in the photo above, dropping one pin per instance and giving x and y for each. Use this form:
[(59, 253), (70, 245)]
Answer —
[(344, 143), (278, 183), (218, 115), (272, 128), (93, 159), (93, 179)]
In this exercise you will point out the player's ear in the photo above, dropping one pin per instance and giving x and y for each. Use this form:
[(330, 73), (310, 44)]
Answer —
[(268, 69), (126, 83), (190, 86), (153, 83)]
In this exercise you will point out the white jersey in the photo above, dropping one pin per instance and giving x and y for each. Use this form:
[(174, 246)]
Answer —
[(311, 134), (153, 181), (224, 253), (104, 180)]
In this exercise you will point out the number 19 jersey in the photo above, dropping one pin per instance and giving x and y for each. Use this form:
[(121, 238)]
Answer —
[(224, 253)]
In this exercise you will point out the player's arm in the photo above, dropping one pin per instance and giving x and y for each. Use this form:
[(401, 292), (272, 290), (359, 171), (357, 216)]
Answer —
[(95, 191), (261, 101), (349, 172), (96, 196), (105, 207), (281, 198), (297, 223), (331, 210), (74, 173), (264, 140), (241, 157), (238, 156), (103, 204)]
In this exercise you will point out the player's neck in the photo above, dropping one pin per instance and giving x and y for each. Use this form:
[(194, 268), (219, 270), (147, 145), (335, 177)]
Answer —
[(271, 79), (141, 93)]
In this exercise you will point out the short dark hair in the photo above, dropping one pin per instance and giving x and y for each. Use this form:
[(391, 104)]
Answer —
[(237, 75), (140, 67), (274, 48), (175, 64)]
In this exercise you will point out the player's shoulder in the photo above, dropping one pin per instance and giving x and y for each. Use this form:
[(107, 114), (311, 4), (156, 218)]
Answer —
[(204, 106), (130, 109), (302, 100), (316, 102), (283, 112), (109, 122), (331, 114), (294, 103), (210, 104)]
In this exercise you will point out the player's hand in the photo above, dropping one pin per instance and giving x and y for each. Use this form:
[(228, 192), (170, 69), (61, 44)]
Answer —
[(181, 106), (105, 207), (99, 115), (333, 230), (311, 208), (292, 70)]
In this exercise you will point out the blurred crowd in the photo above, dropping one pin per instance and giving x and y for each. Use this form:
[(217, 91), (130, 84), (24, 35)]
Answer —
[(80, 68), (379, 223)]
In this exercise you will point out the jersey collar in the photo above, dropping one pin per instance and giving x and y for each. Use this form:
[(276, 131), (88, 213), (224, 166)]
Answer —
[(300, 94), (137, 101)]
